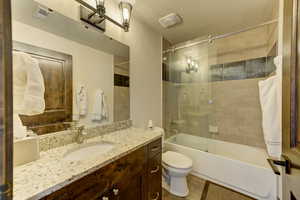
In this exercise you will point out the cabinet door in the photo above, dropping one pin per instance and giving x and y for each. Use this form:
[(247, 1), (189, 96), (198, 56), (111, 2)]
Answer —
[(154, 178), (133, 191)]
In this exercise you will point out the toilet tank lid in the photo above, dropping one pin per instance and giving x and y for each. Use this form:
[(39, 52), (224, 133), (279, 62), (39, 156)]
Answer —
[(177, 160)]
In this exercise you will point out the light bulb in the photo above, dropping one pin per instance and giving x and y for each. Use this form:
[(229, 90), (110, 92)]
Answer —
[(100, 2), (188, 61), (193, 63), (126, 15)]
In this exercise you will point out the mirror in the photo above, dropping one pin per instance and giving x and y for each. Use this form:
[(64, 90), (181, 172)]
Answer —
[(65, 70)]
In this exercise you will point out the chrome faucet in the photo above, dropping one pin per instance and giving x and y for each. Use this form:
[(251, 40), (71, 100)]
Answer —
[(80, 134), (79, 131)]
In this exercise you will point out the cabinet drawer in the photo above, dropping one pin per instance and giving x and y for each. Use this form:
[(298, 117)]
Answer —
[(155, 148), (155, 178)]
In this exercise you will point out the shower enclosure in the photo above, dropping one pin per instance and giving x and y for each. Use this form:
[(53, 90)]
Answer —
[(211, 85), (212, 111)]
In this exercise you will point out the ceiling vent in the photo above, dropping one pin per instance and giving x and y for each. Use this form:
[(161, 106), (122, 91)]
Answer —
[(170, 20), (42, 12)]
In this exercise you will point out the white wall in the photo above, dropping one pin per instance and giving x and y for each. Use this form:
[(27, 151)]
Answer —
[(91, 68), (145, 60)]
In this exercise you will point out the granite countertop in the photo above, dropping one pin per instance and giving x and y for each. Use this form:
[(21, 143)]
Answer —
[(51, 172)]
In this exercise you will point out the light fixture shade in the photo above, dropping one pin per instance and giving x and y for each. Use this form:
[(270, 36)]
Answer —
[(100, 2), (193, 63), (126, 9), (197, 67), (188, 60), (100, 7)]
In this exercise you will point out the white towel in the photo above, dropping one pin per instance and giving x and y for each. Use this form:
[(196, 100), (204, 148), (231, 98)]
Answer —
[(271, 111), (20, 131), (28, 85), (28, 90), (81, 101), (100, 111)]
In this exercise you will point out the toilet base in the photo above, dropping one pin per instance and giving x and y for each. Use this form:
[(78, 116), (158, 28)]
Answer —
[(176, 186)]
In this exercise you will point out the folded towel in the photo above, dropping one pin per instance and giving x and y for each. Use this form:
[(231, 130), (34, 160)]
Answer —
[(20, 131), (271, 111), (28, 85), (81, 100), (100, 111)]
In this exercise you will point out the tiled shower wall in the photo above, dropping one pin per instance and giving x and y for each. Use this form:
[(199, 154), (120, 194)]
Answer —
[(121, 94), (234, 109), (229, 99)]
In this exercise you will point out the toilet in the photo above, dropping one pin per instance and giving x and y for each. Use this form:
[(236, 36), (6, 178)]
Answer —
[(176, 168)]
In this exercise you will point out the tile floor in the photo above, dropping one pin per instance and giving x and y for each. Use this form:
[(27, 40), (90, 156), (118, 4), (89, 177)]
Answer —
[(204, 190)]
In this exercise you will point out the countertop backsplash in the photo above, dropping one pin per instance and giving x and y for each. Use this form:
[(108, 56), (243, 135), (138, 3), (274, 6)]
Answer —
[(58, 139)]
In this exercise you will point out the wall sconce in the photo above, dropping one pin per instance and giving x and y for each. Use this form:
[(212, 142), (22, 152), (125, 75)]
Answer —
[(192, 65), (99, 12)]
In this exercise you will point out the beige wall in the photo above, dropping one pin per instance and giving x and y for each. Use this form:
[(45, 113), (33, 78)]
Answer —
[(145, 60), (243, 46), (91, 68)]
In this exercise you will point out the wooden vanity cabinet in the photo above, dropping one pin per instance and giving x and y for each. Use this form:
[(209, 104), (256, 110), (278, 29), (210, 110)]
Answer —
[(136, 176), (154, 172)]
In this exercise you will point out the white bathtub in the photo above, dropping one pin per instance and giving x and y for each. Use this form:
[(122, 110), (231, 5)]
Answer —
[(239, 167)]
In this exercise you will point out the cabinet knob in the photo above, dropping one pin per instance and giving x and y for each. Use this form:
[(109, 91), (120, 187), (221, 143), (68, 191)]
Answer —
[(105, 198), (156, 196), (116, 192)]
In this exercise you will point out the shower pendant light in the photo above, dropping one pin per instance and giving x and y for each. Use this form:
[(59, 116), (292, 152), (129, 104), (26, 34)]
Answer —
[(192, 65), (126, 9)]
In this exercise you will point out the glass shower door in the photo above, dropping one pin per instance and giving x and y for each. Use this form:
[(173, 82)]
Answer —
[(187, 96)]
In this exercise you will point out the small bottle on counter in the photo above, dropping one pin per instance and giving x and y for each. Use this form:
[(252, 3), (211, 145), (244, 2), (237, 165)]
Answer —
[(150, 125)]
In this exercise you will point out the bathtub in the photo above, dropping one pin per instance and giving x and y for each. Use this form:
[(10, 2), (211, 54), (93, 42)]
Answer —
[(238, 167)]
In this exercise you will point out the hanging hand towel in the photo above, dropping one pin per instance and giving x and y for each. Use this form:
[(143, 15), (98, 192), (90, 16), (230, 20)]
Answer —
[(270, 105), (100, 107), (81, 101)]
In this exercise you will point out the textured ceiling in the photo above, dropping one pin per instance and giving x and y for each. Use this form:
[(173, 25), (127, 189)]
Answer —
[(204, 17)]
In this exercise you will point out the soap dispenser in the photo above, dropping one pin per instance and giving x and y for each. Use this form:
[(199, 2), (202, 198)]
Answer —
[(150, 125)]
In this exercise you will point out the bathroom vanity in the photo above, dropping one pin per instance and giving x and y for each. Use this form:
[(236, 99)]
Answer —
[(130, 171), (136, 176)]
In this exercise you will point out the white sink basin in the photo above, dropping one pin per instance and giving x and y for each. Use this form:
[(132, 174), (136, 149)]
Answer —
[(88, 151)]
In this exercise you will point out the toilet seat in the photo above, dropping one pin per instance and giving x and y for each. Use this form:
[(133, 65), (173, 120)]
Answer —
[(176, 160)]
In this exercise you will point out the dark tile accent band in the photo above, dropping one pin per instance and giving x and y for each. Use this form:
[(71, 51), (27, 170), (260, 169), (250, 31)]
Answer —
[(121, 80)]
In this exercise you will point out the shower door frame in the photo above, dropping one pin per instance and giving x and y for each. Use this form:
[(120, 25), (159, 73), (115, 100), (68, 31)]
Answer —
[(6, 101), (291, 99)]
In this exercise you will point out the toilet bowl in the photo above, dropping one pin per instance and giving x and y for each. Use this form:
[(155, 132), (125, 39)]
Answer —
[(176, 168)]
